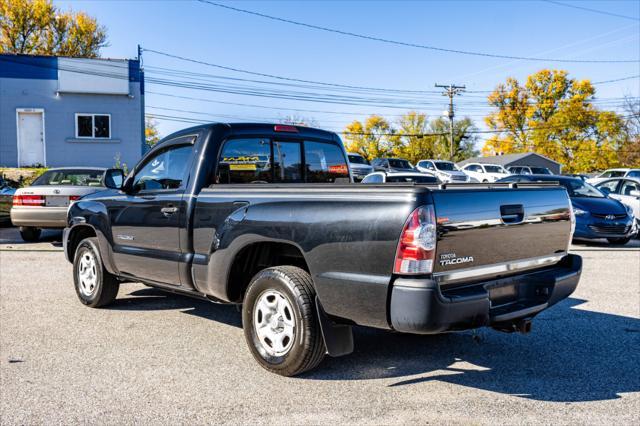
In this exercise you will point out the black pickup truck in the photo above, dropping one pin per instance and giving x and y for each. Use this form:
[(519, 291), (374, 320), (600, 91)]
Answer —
[(267, 216)]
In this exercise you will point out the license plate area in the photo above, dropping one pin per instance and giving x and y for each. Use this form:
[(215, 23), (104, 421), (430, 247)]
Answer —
[(56, 201)]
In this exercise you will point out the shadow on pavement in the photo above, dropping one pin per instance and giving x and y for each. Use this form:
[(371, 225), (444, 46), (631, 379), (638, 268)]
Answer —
[(11, 235), (571, 355), (151, 299)]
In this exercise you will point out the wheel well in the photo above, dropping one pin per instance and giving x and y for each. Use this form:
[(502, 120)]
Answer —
[(78, 234), (256, 257)]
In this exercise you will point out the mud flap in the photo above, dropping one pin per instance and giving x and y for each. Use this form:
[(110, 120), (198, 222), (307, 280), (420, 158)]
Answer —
[(338, 338)]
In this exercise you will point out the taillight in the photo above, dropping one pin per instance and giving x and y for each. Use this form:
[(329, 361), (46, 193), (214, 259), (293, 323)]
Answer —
[(417, 247), (28, 200), (74, 198)]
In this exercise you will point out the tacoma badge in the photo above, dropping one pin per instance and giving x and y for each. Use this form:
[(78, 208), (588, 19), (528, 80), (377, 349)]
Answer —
[(451, 259)]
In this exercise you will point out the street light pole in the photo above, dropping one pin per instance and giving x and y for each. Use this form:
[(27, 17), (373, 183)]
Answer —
[(451, 90)]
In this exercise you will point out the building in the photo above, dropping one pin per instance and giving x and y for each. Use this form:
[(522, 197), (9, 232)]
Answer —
[(57, 111), (522, 159)]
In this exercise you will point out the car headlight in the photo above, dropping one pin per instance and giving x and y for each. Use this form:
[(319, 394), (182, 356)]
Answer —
[(629, 210), (579, 212)]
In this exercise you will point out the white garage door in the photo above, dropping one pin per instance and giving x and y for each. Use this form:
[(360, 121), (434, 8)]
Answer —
[(30, 138)]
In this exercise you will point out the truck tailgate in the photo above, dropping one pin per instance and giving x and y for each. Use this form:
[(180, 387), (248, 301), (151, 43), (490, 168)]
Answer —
[(497, 231)]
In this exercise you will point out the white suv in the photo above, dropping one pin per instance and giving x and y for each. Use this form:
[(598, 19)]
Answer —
[(615, 173), (446, 171), (485, 172)]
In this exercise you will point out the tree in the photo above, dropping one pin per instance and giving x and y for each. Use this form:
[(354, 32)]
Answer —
[(554, 115), (464, 138), (371, 139), (151, 134), (38, 27), (630, 155)]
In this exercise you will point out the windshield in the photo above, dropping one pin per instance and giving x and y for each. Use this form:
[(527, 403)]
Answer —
[(445, 165), (412, 178), (495, 169), (579, 188), (540, 171), (399, 164), (356, 159), (74, 177)]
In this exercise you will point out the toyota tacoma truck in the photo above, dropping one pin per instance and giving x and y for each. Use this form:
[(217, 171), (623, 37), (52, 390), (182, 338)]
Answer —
[(267, 216)]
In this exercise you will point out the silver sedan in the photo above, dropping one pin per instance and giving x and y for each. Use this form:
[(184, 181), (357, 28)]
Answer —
[(44, 204)]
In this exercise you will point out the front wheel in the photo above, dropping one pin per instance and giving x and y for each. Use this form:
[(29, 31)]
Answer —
[(30, 234), (95, 286), (621, 241), (280, 321)]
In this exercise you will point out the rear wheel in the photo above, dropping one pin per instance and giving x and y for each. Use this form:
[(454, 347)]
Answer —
[(621, 241), (95, 286), (30, 234), (280, 321)]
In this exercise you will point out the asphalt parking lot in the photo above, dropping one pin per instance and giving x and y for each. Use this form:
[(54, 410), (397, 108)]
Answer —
[(157, 358)]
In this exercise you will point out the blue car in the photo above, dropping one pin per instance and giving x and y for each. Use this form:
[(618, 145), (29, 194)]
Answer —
[(597, 216)]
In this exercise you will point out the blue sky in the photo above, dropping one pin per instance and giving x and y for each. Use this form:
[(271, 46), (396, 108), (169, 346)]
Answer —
[(225, 37)]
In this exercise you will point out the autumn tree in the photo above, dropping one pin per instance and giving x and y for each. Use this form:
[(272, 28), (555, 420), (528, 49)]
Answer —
[(370, 139), (554, 115), (38, 27), (151, 134), (630, 155), (465, 138)]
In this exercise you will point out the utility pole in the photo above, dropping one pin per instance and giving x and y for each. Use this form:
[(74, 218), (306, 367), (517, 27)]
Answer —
[(451, 90)]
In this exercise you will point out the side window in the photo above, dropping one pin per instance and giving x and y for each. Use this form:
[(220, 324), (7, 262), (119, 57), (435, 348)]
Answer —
[(325, 162), (287, 162), (628, 186), (245, 161), (168, 169)]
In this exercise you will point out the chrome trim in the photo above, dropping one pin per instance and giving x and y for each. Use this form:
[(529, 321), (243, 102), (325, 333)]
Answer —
[(498, 268)]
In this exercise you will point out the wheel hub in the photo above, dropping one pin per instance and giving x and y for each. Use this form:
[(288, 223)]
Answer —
[(274, 323), (87, 274)]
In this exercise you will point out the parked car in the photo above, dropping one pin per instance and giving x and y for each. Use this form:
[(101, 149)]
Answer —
[(392, 164), (212, 212), (44, 204), (627, 191), (597, 216), (359, 166), (614, 173), (485, 172), (446, 171), (6, 200), (529, 170), (400, 177)]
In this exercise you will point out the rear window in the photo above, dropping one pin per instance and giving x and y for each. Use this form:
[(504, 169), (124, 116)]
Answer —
[(259, 160), (412, 178), (74, 177), (634, 173), (325, 162), (400, 164)]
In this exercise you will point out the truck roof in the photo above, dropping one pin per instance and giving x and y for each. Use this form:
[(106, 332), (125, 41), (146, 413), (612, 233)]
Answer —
[(263, 129)]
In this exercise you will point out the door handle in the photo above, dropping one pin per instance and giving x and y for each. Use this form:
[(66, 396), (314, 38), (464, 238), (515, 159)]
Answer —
[(168, 211), (148, 197), (513, 213)]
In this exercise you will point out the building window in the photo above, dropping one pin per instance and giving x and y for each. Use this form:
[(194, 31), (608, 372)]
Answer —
[(95, 126)]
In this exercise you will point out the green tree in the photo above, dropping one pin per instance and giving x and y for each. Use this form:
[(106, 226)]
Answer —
[(464, 138), (38, 27), (554, 115)]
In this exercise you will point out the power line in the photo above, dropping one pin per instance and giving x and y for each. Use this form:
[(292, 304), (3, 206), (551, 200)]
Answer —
[(408, 44), (602, 12)]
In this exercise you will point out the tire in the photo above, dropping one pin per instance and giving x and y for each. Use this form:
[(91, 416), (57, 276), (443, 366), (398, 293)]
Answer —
[(95, 286), (621, 241), (485, 181), (283, 299), (30, 234)]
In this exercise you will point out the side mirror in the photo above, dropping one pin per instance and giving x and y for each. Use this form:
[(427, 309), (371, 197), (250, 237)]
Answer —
[(114, 178), (635, 193)]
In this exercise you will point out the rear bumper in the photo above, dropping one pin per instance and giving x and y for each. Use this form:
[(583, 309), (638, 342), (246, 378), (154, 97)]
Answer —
[(419, 306), (39, 217)]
